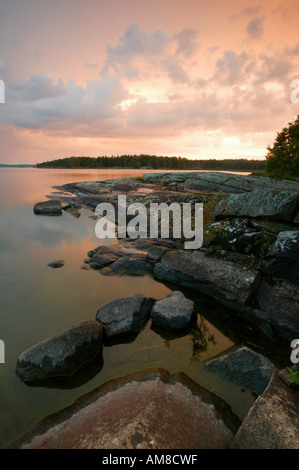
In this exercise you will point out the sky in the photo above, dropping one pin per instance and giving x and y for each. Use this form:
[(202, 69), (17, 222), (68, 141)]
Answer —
[(189, 78)]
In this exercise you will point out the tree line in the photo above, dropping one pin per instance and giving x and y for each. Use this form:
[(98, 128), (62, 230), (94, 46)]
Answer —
[(154, 162)]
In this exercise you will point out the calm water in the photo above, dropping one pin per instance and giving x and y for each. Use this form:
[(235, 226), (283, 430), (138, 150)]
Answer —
[(37, 302)]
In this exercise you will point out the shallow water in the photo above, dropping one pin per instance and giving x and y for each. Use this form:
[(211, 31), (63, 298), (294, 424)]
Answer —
[(38, 301)]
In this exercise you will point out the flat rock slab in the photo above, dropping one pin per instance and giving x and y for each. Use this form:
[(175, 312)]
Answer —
[(219, 278), (218, 181), (126, 315), (275, 205), (151, 409), (173, 312), (61, 355), (272, 422), (244, 367)]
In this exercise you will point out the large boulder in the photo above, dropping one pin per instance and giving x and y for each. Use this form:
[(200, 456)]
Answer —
[(61, 355), (244, 367), (281, 206), (126, 315), (51, 207), (279, 290), (173, 312), (151, 409), (220, 278), (286, 246), (272, 422)]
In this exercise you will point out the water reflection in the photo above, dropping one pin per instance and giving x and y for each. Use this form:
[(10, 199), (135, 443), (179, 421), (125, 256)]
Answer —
[(38, 302), (201, 338), (86, 373)]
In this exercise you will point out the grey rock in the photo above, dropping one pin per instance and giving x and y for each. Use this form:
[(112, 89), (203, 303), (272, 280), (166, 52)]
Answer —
[(258, 203), (98, 261), (156, 252), (52, 207), (237, 235), (173, 312), (61, 355), (132, 266), (280, 299), (272, 422), (244, 367), (285, 246), (279, 290), (218, 181), (126, 315), (150, 409), (219, 278), (271, 226)]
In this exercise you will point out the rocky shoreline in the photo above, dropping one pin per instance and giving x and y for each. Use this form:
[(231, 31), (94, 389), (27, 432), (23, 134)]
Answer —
[(249, 263)]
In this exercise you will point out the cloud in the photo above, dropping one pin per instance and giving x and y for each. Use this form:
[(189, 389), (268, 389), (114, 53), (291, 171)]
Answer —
[(40, 103), (156, 84), (255, 28), (233, 68), (187, 42), (139, 53)]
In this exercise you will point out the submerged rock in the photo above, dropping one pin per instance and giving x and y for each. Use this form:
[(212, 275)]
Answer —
[(61, 355), (272, 422), (244, 367), (151, 409), (126, 315), (57, 264), (173, 312)]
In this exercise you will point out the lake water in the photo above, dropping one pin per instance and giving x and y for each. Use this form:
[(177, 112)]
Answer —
[(38, 301)]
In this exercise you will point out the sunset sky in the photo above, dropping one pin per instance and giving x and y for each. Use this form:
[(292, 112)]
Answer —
[(190, 78)]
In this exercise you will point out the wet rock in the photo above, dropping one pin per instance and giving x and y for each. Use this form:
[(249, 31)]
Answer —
[(173, 312), (126, 315), (61, 355), (59, 263), (272, 422), (72, 211), (275, 205), (133, 266), (151, 409), (243, 367), (98, 261), (52, 207)]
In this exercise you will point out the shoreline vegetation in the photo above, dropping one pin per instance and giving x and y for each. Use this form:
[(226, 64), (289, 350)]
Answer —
[(153, 162)]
